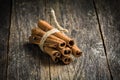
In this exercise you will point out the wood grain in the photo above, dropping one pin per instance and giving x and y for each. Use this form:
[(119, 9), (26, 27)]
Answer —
[(27, 62), (109, 19), (4, 36), (80, 19)]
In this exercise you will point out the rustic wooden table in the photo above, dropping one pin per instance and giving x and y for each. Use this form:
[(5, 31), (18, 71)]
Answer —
[(94, 24)]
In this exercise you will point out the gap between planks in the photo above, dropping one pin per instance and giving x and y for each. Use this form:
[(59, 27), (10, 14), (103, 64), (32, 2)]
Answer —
[(101, 34), (48, 20), (7, 58)]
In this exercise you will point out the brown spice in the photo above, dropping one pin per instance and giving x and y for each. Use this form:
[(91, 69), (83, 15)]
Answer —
[(76, 51), (54, 54), (58, 46), (66, 51)]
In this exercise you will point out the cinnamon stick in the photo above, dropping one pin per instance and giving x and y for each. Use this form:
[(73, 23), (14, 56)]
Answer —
[(51, 40), (46, 27), (54, 54), (66, 51), (66, 59), (76, 51)]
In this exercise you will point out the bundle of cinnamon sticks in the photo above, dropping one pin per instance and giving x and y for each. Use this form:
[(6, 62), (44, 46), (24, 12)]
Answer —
[(57, 45)]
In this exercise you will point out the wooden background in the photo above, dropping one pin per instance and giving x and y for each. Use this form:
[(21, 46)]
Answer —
[(94, 24)]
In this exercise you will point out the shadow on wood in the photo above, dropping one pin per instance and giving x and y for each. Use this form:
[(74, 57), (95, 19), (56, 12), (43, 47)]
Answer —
[(35, 51)]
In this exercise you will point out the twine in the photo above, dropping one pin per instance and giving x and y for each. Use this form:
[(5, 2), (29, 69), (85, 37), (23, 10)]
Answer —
[(47, 34), (56, 22)]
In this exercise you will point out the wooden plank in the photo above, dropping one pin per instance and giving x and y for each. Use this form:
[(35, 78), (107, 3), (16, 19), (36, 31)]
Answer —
[(26, 61), (79, 18), (109, 18), (5, 6)]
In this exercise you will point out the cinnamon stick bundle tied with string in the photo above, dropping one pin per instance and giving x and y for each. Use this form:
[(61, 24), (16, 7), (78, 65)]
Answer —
[(57, 45)]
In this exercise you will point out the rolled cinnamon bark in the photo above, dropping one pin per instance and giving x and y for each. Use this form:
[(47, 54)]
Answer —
[(34, 39), (46, 27), (51, 40), (54, 54), (66, 51), (76, 51), (66, 59)]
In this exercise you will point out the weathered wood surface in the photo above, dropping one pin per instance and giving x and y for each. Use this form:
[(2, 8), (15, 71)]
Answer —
[(27, 62), (4, 34), (109, 19), (80, 19), (94, 25)]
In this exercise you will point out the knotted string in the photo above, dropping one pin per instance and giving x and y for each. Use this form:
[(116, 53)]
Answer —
[(47, 34)]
